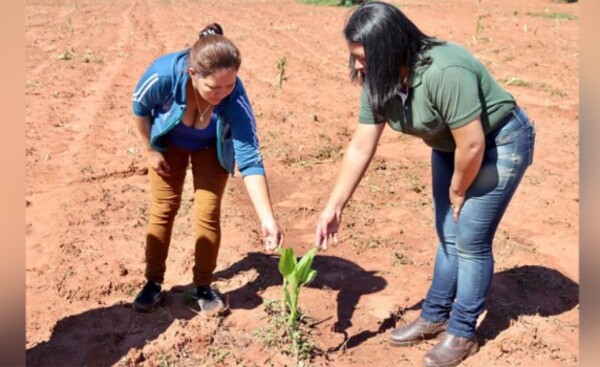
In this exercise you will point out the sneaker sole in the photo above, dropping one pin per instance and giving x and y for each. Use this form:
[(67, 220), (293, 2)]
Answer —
[(212, 311), (147, 308)]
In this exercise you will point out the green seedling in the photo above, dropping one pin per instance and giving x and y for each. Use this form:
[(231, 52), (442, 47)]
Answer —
[(296, 274), (281, 71), (557, 16)]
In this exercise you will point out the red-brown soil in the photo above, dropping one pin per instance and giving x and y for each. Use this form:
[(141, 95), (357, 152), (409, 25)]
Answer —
[(87, 191)]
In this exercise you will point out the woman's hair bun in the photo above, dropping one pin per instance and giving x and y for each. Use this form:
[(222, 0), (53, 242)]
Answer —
[(211, 30)]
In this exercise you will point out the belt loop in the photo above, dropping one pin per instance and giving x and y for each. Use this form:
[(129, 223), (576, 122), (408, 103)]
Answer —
[(518, 113), (516, 110)]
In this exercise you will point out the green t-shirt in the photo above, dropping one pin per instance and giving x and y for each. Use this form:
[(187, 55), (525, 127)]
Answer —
[(451, 92)]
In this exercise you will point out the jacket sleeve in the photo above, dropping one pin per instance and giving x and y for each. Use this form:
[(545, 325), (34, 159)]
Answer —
[(152, 91), (238, 113)]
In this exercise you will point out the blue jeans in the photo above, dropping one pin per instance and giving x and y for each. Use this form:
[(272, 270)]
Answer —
[(464, 261)]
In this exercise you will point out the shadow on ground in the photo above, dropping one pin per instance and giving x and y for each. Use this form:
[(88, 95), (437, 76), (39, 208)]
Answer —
[(347, 278), (525, 291), (102, 336)]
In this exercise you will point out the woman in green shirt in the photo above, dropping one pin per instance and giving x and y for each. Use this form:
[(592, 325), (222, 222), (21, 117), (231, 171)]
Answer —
[(482, 144)]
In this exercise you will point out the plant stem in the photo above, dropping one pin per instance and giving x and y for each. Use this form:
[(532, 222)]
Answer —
[(294, 309), (283, 301)]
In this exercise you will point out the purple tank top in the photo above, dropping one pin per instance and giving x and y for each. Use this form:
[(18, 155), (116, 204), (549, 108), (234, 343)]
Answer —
[(193, 139)]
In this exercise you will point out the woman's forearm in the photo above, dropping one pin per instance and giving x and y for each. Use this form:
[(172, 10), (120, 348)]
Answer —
[(143, 127), (356, 160), (258, 190), (470, 147), (467, 162), (354, 165)]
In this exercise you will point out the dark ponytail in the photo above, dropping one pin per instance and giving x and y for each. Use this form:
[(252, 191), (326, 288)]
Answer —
[(213, 51), (211, 30)]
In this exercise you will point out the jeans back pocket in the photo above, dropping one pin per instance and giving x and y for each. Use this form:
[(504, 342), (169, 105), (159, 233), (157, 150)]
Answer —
[(517, 123)]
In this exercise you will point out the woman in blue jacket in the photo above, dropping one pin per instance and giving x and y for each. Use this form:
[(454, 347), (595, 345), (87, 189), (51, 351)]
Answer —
[(190, 106)]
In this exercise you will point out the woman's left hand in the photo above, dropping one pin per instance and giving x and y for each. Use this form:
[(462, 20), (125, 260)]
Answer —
[(272, 235), (457, 200)]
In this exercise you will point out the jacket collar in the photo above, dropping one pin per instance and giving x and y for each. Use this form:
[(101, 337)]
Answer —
[(180, 75), (416, 77)]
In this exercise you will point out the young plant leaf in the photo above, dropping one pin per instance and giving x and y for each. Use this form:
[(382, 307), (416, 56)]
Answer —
[(292, 278), (311, 276), (287, 262), (304, 265)]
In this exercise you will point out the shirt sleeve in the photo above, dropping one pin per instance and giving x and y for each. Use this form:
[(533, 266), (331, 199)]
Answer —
[(151, 91), (240, 116), (365, 114), (455, 95)]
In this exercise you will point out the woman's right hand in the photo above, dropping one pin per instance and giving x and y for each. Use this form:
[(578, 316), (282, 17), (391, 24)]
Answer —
[(273, 237), (158, 163), (327, 227)]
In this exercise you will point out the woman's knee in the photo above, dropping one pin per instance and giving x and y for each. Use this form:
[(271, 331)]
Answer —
[(165, 207), (473, 250), (209, 213)]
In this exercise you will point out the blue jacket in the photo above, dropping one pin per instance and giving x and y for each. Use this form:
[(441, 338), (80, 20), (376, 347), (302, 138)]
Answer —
[(160, 94)]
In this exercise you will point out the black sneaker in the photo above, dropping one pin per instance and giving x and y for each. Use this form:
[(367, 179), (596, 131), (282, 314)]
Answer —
[(209, 301), (148, 298)]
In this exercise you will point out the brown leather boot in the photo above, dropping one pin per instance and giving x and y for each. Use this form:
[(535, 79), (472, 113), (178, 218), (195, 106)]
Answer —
[(451, 350), (415, 332)]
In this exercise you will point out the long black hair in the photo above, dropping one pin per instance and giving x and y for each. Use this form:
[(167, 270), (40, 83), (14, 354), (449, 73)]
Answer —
[(390, 40)]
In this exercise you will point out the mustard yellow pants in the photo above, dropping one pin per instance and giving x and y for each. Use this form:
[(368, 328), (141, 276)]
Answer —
[(210, 180)]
